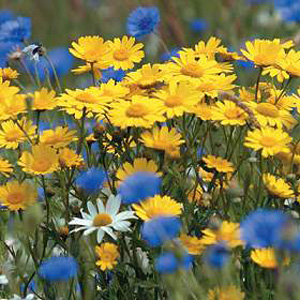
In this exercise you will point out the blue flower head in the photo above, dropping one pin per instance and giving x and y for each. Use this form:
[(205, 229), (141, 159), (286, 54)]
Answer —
[(5, 15), (143, 21), (110, 73), (58, 268), (139, 186), (263, 228), (16, 30), (289, 10), (168, 55), (160, 229), (217, 256), (91, 181), (198, 25), (166, 263)]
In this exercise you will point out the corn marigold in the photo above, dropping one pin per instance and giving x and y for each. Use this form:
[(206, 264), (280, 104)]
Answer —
[(266, 258), (8, 74), (44, 99), (68, 158), (277, 186), (192, 244), (107, 254), (226, 293), (6, 167), (11, 107), (218, 163)]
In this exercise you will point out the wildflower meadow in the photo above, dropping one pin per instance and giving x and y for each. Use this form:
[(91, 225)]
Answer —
[(150, 150)]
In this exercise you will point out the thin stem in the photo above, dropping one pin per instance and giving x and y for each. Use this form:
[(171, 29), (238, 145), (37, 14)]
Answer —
[(257, 83), (54, 73)]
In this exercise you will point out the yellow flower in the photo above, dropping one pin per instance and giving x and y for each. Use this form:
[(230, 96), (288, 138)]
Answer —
[(226, 293), (41, 160), (139, 112), (17, 195), (68, 158), (212, 47), (123, 53), (157, 206), (280, 74), (266, 258), (163, 139), (192, 244), (178, 98), (88, 68), (203, 111), (270, 140), (290, 64), (146, 77), (107, 254), (6, 167), (44, 100), (74, 102), (11, 135), (228, 113), (112, 91), (58, 137), (197, 196), (265, 52), (6, 90), (91, 49), (277, 186), (218, 163), (8, 74), (11, 107), (228, 232), (138, 165)]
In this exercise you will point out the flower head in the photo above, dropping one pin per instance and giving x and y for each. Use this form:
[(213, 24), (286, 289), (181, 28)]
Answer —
[(266, 258), (58, 268), (6, 167), (143, 21), (218, 163), (229, 292), (16, 30), (107, 254), (192, 244), (8, 74), (217, 255), (44, 99)]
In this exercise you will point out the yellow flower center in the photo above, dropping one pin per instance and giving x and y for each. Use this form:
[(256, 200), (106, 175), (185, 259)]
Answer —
[(160, 144), (102, 219), (41, 165), (268, 141), (14, 135), (86, 98), (268, 110), (121, 54), (233, 113), (192, 69), (136, 110), (15, 198), (173, 101)]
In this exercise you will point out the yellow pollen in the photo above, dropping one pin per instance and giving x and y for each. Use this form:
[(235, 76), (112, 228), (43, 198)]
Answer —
[(192, 69), (173, 101), (102, 219), (268, 141), (121, 54), (268, 110), (136, 110)]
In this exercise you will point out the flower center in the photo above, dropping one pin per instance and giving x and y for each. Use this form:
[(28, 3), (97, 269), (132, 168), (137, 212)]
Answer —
[(268, 141), (233, 113), (14, 135), (102, 219), (173, 101), (41, 165), (192, 69), (136, 110), (86, 98), (268, 110), (121, 54), (15, 198)]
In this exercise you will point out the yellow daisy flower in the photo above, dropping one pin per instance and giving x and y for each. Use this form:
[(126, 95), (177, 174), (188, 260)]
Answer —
[(192, 244), (58, 137), (69, 159), (6, 167), (87, 68), (157, 206), (290, 64), (123, 53), (210, 48), (112, 91), (203, 111), (228, 232), (44, 100), (178, 98), (17, 195), (226, 293), (218, 163), (41, 160), (277, 186), (139, 112), (11, 107), (108, 254), (138, 165), (266, 258), (270, 140), (91, 49), (11, 135), (6, 90), (163, 139), (8, 74), (228, 113)]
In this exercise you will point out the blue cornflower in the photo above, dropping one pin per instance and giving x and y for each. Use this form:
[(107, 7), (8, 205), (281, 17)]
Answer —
[(110, 73), (198, 25), (160, 229), (91, 181), (5, 15), (17, 30), (289, 10), (58, 268), (263, 228), (168, 55), (217, 256), (143, 21), (166, 263), (139, 186)]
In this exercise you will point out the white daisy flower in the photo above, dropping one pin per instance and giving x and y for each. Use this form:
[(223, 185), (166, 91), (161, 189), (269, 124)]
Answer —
[(3, 279), (104, 219), (28, 297)]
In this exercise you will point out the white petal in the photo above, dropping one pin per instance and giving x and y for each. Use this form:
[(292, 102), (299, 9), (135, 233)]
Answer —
[(109, 232), (100, 235), (125, 215), (100, 206), (86, 216), (113, 205), (77, 221), (92, 209), (90, 230), (79, 229), (122, 226)]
